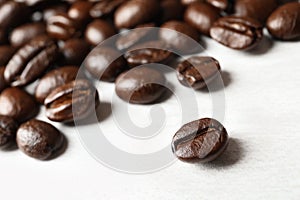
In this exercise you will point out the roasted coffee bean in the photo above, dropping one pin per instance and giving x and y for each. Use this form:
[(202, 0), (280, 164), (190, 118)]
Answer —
[(6, 53), (200, 141), (72, 101), (171, 10), (3, 37), (141, 85), (23, 34), (54, 10), (201, 16), (54, 79), (31, 61), (3, 83), (98, 31), (8, 130), (256, 9), (105, 7), (39, 139), (18, 104), (188, 2), (105, 64), (220, 4), (284, 22), (80, 12), (74, 51), (136, 12), (12, 14), (237, 32), (181, 36), (197, 71), (148, 52)]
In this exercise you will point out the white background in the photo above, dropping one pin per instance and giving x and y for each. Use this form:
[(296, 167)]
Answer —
[(262, 160)]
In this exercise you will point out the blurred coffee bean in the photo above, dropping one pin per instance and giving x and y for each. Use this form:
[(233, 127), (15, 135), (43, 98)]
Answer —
[(12, 14), (105, 64), (18, 104), (24, 33), (8, 130), (74, 51), (188, 2), (136, 12), (220, 4), (54, 10), (80, 12), (98, 31), (171, 10), (201, 16), (6, 53), (3, 83), (3, 37), (31, 61), (105, 7)]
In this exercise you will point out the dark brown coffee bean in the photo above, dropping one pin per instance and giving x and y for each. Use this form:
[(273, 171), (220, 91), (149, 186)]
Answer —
[(136, 12), (237, 32), (24, 33), (197, 71), (256, 9), (54, 10), (105, 7), (72, 101), (141, 85), (6, 53), (284, 22), (12, 14), (220, 4), (105, 64), (18, 104), (54, 79), (98, 31), (200, 141), (80, 12), (188, 2), (148, 52), (8, 130), (181, 36), (171, 10), (3, 37), (30, 61), (74, 51), (3, 83), (39, 139), (201, 16)]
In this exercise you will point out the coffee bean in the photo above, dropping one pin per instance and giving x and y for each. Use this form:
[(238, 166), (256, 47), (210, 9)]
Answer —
[(8, 130), (284, 22), (39, 139), (171, 10), (3, 83), (74, 51), (105, 7), (18, 104), (98, 31), (105, 64), (12, 14), (220, 4), (148, 52), (54, 79), (30, 61), (201, 140), (197, 72), (188, 2), (6, 53), (201, 16), (181, 36), (141, 85), (3, 37), (72, 101), (24, 33), (237, 32), (80, 12), (136, 12), (54, 10)]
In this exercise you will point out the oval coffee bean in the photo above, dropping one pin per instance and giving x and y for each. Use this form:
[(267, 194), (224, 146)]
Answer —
[(237, 32), (105, 64), (8, 130), (141, 85), (105, 7), (201, 140), (188, 2), (18, 104), (3, 83), (197, 72), (39, 139), (71, 101), (80, 12), (56, 9), (74, 51), (136, 12), (31, 61), (220, 4), (284, 22), (171, 10), (12, 14), (6, 53)]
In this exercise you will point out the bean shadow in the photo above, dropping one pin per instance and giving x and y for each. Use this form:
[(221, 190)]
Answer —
[(216, 86), (60, 151), (263, 47), (11, 147)]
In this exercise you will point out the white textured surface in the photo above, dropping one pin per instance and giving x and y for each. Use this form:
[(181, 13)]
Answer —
[(261, 162)]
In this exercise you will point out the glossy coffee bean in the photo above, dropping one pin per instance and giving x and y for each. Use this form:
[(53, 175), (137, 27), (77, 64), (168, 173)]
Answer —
[(148, 52), (98, 31), (80, 11), (141, 85), (3, 83), (105, 64), (201, 16), (136, 12), (54, 79), (171, 10), (180, 36), (53, 10), (74, 51), (188, 2), (39, 139), (200, 141), (72, 101), (237, 32), (24, 33), (12, 14), (8, 130), (197, 71), (256, 9), (105, 7), (220, 4), (6, 53), (31, 61), (18, 104), (284, 22)]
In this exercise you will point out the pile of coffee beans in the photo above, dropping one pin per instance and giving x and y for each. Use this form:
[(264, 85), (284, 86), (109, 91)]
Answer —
[(44, 42)]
